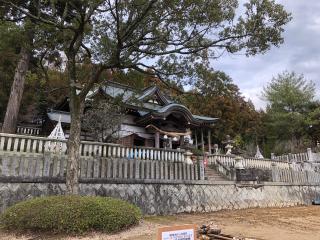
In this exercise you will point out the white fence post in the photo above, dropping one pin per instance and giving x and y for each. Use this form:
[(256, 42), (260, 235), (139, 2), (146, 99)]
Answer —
[(201, 165), (310, 155)]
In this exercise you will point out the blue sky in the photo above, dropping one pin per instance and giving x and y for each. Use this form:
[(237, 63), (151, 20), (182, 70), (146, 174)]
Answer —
[(300, 53)]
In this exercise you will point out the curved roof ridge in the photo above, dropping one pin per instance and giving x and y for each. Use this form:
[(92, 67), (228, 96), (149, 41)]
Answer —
[(165, 108), (154, 89), (171, 105), (147, 92), (176, 107)]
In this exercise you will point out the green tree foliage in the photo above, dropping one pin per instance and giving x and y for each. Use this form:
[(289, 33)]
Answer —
[(41, 84), (40, 91), (11, 37), (103, 120), (290, 112), (313, 121), (221, 98), (132, 78), (9, 49), (289, 92)]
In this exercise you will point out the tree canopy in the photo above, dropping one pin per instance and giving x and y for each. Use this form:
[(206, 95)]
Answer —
[(164, 38), (175, 34), (289, 92), (8, 58), (290, 112), (103, 119), (221, 98)]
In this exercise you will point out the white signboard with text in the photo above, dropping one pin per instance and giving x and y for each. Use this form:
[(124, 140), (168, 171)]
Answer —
[(184, 232)]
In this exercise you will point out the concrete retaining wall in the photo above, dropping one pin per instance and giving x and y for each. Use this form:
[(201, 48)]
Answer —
[(168, 198)]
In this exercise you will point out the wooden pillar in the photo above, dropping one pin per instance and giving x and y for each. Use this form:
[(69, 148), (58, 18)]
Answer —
[(202, 140), (170, 142), (209, 140), (157, 140), (196, 138)]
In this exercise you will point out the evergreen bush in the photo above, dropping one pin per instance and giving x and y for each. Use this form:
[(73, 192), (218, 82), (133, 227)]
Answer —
[(71, 214)]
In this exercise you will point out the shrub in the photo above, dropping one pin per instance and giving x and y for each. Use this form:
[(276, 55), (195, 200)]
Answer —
[(71, 214)]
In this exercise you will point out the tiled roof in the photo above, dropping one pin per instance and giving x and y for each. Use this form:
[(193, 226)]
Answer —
[(54, 115), (138, 100)]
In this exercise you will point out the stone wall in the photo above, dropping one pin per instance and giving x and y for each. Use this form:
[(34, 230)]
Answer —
[(163, 197)]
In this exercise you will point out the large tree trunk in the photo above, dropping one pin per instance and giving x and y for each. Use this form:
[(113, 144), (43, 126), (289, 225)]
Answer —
[(76, 105), (72, 176), (11, 117)]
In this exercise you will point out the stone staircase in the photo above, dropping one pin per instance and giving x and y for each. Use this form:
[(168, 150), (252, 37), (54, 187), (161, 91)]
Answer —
[(212, 175)]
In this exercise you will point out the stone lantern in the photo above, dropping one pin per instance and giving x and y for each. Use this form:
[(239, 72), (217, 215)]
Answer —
[(188, 146), (239, 163), (228, 148), (216, 148), (228, 142)]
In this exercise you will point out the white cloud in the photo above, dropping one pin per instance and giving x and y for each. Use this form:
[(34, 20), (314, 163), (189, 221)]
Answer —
[(299, 53)]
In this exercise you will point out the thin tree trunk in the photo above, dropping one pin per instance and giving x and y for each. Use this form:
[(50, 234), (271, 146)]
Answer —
[(11, 117)]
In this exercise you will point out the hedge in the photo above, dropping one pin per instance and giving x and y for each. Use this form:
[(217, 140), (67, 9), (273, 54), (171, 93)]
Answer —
[(71, 214)]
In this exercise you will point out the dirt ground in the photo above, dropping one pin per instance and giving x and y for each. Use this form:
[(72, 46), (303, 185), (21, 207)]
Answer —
[(296, 223)]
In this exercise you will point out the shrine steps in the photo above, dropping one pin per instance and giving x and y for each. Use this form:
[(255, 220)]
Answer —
[(213, 175)]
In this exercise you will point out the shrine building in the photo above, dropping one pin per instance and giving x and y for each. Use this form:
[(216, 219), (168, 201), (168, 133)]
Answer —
[(152, 118)]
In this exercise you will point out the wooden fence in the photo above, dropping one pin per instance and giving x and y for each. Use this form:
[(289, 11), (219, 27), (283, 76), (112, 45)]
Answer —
[(298, 157), (28, 130), (312, 155), (34, 130), (31, 165), (296, 177), (316, 156), (229, 161), (281, 171), (30, 156), (30, 144)]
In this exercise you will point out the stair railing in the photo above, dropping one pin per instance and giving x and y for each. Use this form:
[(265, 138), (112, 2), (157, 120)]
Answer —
[(223, 169)]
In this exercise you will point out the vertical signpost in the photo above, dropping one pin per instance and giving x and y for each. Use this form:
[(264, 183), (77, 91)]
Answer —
[(184, 232)]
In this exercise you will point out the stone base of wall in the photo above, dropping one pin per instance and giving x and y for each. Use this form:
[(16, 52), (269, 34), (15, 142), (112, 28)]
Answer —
[(159, 199)]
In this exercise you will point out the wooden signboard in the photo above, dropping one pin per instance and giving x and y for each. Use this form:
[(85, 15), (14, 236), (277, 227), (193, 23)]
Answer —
[(183, 232)]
